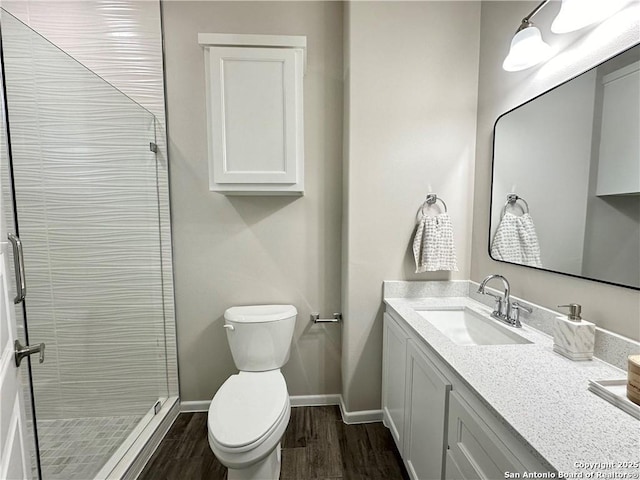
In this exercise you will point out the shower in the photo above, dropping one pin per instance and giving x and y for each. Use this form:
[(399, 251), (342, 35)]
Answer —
[(86, 194)]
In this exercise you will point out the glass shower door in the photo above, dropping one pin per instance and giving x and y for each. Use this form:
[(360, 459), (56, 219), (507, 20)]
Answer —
[(87, 211)]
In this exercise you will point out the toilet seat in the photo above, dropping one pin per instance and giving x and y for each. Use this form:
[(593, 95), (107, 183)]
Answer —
[(247, 409)]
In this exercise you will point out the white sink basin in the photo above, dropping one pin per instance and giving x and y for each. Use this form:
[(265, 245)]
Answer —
[(467, 327)]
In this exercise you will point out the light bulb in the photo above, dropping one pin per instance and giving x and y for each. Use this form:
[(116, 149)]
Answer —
[(527, 49)]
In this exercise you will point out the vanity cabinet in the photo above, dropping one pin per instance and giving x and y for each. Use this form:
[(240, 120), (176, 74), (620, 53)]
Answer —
[(442, 429), (474, 450), (425, 408), (393, 378)]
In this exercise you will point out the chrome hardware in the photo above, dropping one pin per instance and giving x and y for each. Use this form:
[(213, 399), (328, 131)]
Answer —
[(512, 198), (515, 313), (22, 351), (315, 318), (575, 309), (504, 306), (229, 327), (505, 310), (153, 147), (18, 262), (498, 299), (432, 198)]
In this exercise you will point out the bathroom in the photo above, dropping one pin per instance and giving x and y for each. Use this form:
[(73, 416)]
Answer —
[(400, 100)]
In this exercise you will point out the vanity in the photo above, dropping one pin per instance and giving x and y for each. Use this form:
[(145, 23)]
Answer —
[(467, 397)]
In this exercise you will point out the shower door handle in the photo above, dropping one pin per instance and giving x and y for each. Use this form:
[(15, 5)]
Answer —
[(18, 262), (22, 351)]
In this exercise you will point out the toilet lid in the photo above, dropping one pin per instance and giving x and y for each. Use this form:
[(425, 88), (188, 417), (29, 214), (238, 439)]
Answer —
[(246, 407), (260, 313)]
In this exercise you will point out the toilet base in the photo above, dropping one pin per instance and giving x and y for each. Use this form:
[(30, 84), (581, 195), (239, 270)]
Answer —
[(266, 469)]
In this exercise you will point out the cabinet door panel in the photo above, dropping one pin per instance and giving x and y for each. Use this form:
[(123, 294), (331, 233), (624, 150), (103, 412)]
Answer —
[(255, 114), (452, 471), (425, 416), (393, 377), (476, 450), (618, 165)]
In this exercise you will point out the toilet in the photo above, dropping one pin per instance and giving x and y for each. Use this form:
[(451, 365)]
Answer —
[(250, 412)]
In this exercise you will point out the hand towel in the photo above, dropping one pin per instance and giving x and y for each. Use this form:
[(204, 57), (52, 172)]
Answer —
[(433, 247), (516, 241)]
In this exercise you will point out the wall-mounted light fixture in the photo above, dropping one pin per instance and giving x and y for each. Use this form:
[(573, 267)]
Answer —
[(527, 46)]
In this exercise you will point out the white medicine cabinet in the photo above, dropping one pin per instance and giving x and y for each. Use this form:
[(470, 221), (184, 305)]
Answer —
[(255, 113)]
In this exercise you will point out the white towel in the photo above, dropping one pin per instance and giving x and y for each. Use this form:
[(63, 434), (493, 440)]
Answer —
[(433, 247), (516, 241)]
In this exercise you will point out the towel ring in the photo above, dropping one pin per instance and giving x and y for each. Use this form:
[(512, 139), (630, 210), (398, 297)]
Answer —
[(432, 198), (512, 198)]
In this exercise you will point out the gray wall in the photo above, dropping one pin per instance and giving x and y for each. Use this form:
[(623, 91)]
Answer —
[(613, 308), (411, 101), (250, 250), (410, 110)]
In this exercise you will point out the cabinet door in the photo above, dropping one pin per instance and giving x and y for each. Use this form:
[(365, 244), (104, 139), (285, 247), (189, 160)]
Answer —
[(618, 165), (394, 361), (476, 451), (255, 115), (452, 471), (425, 416)]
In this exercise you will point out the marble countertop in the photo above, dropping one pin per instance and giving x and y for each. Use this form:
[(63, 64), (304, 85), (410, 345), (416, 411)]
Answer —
[(540, 395)]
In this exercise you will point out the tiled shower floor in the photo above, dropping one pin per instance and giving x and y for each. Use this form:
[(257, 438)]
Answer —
[(76, 449)]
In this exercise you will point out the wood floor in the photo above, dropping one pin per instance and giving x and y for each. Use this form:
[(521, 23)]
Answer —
[(316, 445)]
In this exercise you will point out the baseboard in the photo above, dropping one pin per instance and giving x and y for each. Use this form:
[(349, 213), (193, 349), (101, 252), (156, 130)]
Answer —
[(359, 416), (195, 406), (350, 418), (296, 401), (314, 400)]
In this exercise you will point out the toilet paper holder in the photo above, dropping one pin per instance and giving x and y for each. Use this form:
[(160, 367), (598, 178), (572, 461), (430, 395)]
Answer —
[(315, 318)]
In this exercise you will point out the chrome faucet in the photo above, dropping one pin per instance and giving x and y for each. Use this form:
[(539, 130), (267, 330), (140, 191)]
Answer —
[(504, 310)]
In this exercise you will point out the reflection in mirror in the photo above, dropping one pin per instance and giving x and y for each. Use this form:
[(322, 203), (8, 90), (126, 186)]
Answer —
[(570, 158)]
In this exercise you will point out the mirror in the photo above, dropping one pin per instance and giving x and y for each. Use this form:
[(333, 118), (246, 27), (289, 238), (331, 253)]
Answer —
[(570, 159)]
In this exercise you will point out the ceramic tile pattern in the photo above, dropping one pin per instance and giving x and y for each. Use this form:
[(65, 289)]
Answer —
[(121, 41), (87, 190), (76, 449)]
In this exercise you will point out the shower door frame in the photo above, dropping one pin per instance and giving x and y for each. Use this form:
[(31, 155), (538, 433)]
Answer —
[(127, 462)]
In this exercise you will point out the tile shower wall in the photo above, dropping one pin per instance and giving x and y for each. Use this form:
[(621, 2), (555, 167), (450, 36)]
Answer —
[(86, 199), (122, 42)]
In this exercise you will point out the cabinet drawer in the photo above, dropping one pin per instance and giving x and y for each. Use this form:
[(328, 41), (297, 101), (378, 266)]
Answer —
[(475, 449)]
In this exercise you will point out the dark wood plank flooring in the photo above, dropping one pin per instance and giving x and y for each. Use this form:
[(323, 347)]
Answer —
[(316, 446)]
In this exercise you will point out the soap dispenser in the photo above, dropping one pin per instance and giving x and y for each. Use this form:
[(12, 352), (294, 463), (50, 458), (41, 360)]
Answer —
[(574, 337)]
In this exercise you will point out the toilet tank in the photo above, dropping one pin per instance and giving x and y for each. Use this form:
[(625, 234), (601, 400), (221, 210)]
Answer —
[(260, 335)]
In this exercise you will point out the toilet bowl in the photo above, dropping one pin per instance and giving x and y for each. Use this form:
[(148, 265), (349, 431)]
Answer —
[(247, 419), (250, 412)]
